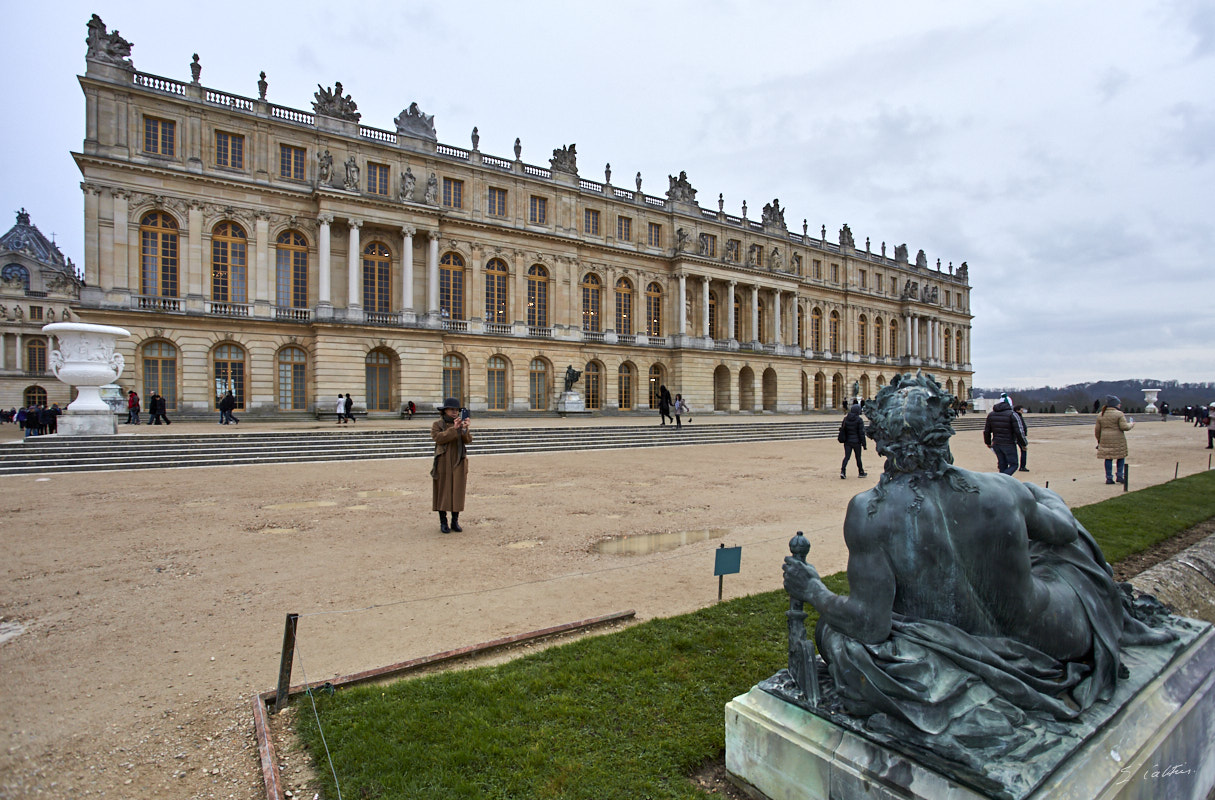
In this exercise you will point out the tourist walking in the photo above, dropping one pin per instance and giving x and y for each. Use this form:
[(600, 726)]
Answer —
[(680, 407), (852, 437), (226, 404), (449, 473), (1003, 436), (156, 407), (348, 407), (1021, 411), (132, 408), (1110, 431), (340, 409), (664, 404), (1210, 425)]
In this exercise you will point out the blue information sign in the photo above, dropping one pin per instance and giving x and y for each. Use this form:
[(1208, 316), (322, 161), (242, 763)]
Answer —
[(728, 562)]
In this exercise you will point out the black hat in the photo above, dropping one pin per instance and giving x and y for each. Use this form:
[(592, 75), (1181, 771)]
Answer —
[(450, 402), (1112, 401)]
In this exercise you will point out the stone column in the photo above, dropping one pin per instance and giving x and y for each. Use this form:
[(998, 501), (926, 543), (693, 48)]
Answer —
[(260, 278), (682, 299), (354, 264), (704, 307), (3, 351), (324, 282), (730, 310), (92, 229), (19, 353), (755, 313), (407, 269), (130, 274), (796, 321), (474, 289), (195, 280), (776, 332), (519, 307), (432, 273)]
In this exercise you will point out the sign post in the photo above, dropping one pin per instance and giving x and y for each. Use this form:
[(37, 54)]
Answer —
[(727, 562)]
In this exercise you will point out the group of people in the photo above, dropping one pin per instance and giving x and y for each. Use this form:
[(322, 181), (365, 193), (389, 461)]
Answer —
[(667, 406), (35, 420), (156, 409), (344, 408)]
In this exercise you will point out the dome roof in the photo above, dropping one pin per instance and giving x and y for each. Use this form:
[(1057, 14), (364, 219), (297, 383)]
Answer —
[(24, 237)]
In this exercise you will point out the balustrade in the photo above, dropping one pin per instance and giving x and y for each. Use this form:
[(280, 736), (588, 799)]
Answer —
[(146, 302), (228, 309)]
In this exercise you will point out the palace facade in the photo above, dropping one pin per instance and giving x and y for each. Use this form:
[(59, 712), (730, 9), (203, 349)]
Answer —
[(290, 255)]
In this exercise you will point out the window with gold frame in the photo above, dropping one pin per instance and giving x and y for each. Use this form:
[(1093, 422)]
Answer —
[(653, 309), (833, 332), (538, 210), (496, 295), (624, 306), (35, 355), (377, 178), (656, 379), (495, 202), (451, 286), (158, 255), (625, 379), (654, 236), (537, 385), (159, 137), (160, 372), (292, 366), (877, 335), (495, 380), (593, 377), (229, 150), (291, 270), (229, 263), (377, 381), (816, 329), (291, 162), (377, 278), (453, 193), (230, 373), (592, 303), (590, 220), (453, 377), (624, 229), (537, 296), (862, 335)]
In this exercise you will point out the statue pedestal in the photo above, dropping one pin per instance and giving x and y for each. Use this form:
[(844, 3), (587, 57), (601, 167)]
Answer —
[(1152, 740), (571, 403), (88, 423)]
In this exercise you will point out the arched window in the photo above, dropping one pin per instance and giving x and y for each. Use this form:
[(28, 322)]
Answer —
[(948, 348), (291, 270), (816, 333), (833, 332), (820, 391), (377, 278), (862, 335), (34, 396), (881, 381), (801, 326), (877, 337), (653, 310), (624, 306), (160, 372), (537, 296), (495, 292), (894, 338), (537, 385), (864, 387), (594, 386), (35, 355), (624, 380), (656, 381), (495, 378), (960, 357), (158, 255), (714, 333), (16, 272), (837, 391), (962, 392), (451, 287), (377, 381), (292, 362), (230, 373), (229, 263), (453, 377), (591, 302)]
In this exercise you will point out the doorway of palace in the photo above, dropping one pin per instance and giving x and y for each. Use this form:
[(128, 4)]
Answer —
[(721, 388)]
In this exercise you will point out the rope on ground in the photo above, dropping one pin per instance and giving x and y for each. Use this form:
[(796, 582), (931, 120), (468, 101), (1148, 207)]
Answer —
[(317, 716)]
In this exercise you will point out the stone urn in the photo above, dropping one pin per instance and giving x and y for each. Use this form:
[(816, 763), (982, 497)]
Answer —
[(86, 359), (1149, 395)]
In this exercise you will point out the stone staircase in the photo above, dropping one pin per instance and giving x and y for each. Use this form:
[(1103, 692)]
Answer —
[(52, 454)]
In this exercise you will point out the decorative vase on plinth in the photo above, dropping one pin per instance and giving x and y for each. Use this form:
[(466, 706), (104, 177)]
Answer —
[(1150, 396), (86, 359)]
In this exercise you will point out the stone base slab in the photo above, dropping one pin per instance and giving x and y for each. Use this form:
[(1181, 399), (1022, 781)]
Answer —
[(1160, 744), (88, 423)]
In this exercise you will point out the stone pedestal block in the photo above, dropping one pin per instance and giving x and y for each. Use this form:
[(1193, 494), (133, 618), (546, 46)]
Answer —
[(87, 423)]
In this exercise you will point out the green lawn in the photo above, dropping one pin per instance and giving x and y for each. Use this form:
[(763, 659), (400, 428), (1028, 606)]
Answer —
[(623, 716)]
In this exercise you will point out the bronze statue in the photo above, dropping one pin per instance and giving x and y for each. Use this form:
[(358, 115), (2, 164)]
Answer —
[(571, 377)]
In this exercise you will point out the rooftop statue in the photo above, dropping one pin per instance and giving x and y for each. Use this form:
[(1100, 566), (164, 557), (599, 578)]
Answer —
[(681, 191), (565, 159), (774, 215), (108, 47), (331, 103), (982, 613), (921, 260), (846, 237), (412, 122)]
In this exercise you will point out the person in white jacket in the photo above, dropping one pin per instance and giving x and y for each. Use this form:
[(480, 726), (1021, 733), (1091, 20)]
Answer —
[(340, 409)]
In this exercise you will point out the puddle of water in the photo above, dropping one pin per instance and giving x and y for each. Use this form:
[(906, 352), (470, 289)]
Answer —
[(525, 544), (40, 480), (305, 504), (10, 630), (640, 544), (385, 493)]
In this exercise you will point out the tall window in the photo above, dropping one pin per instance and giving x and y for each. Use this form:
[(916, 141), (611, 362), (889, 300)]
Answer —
[(158, 255), (816, 267), (653, 309), (877, 335), (624, 306), (592, 302), (453, 377), (495, 204), (590, 221), (713, 330), (948, 346), (159, 136), (654, 238), (862, 335), (894, 338), (160, 372), (864, 279), (537, 385), (451, 287), (35, 355), (624, 385), (229, 265), (958, 349), (377, 178), (594, 386), (377, 278), (737, 318), (495, 291), (230, 373), (495, 379), (761, 318), (291, 270), (656, 381), (453, 193), (708, 245), (537, 210), (537, 296), (377, 381), (835, 273), (229, 150), (624, 229), (833, 332), (291, 162), (816, 329), (291, 364)]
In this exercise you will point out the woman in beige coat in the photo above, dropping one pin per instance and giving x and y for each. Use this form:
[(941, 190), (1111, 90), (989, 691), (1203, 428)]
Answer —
[(450, 471), (1111, 429)]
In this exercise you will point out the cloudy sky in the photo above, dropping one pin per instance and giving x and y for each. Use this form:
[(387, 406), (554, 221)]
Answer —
[(1066, 151)]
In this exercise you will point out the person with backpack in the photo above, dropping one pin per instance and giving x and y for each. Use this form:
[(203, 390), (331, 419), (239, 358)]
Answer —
[(852, 437), (1002, 435)]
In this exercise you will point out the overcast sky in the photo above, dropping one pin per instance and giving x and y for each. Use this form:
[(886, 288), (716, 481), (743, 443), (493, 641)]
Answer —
[(1066, 151)]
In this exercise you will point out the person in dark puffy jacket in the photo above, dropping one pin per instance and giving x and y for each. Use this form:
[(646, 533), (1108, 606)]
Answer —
[(852, 436), (1002, 433)]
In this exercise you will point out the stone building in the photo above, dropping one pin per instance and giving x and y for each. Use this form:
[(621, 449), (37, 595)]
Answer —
[(37, 286), (291, 255)]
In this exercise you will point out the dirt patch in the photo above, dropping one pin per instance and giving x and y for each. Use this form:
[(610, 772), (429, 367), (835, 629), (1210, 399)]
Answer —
[(1129, 567)]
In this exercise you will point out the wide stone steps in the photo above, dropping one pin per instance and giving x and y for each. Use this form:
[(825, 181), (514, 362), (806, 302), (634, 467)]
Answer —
[(84, 454)]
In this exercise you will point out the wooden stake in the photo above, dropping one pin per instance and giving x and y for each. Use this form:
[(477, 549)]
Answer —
[(284, 664)]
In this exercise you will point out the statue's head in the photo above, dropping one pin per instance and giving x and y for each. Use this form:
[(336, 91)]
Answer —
[(910, 423)]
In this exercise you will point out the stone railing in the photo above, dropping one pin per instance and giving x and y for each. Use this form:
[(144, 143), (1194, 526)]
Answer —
[(537, 172), (498, 163), (540, 331), (160, 84), (457, 325), (288, 314), (626, 338), (368, 132), (227, 309), (381, 318), (452, 152), (229, 100), (292, 115), (147, 302), (497, 329), (590, 186), (593, 336)]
